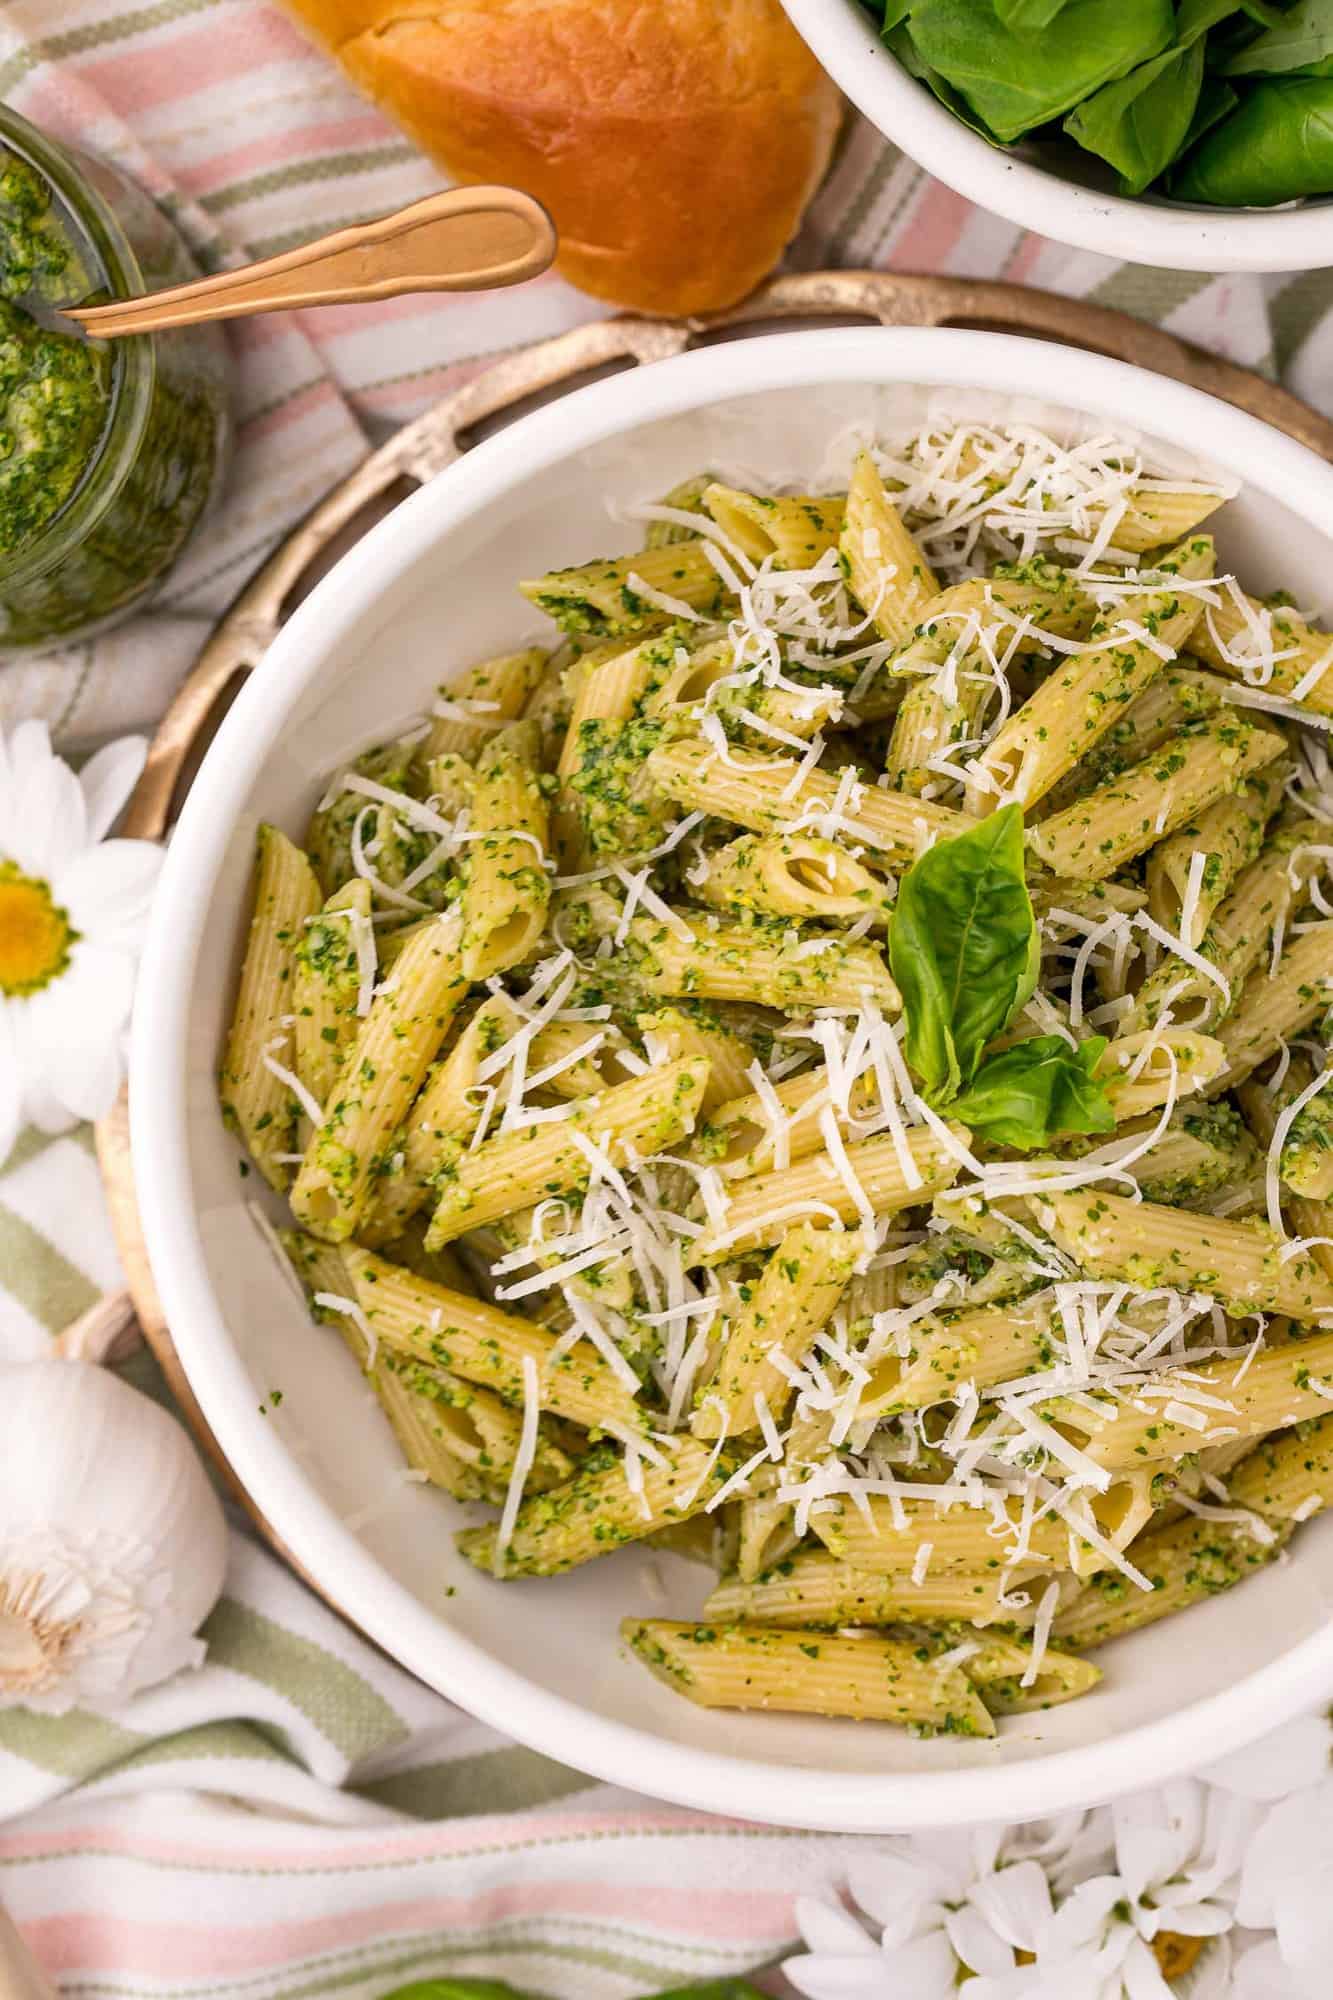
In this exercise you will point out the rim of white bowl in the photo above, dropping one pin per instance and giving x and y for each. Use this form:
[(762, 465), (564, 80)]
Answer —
[(1172, 235), (423, 1642)]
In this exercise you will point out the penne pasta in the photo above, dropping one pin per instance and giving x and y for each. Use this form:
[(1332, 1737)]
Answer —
[(812, 1587), (677, 957), (758, 1666), (332, 985), (798, 1293), (1270, 647), (467, 712), (380, 1075), (506, 887), (886, 571), (791, 875), (1072, 710), (257, 1098)]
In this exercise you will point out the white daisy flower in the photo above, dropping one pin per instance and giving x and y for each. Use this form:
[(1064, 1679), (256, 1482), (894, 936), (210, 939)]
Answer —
[(945, 1905), (1162, 1917), (72, 911)]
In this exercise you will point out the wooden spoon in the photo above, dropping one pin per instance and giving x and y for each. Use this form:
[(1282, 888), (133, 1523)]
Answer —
[(464, 240)]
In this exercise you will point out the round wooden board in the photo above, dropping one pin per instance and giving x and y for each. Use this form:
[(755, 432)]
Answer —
[(499, 395)]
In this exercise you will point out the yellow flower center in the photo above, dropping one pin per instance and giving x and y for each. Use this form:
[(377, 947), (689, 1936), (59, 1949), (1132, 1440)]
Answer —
[(35, 933), (1175, 1953)]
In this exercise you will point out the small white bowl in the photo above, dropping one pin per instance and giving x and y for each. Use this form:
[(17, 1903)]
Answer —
[(425, 593), (1148, 230)]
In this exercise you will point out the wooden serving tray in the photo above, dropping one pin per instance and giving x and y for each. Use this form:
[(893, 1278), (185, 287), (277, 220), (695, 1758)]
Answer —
[(521, 381)]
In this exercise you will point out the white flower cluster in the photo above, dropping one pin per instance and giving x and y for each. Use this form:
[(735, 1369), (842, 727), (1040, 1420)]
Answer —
[(1218, 1887)]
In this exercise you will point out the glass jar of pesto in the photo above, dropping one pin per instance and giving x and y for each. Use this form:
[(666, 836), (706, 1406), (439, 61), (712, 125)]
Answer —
[(110, 451)]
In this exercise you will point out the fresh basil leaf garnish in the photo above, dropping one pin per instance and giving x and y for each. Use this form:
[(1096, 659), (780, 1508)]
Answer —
[(964, 949), (1026, 1096)]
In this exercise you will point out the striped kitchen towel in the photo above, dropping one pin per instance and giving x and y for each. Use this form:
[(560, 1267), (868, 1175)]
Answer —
[(299, 1818)]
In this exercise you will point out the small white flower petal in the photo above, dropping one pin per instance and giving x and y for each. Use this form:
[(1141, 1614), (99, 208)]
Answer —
[(1285, 1761), (107, 891), (74, 1030), (1016, 1903), (1293, 1846), (11, 1085), (108, 779), (46, 818), (924, 1969), (975, 1944), (828, 1978), (827, 1927), (1142, 1975), (894, 1890)]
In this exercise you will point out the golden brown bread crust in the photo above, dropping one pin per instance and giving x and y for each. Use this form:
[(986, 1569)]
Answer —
[(675, 142)]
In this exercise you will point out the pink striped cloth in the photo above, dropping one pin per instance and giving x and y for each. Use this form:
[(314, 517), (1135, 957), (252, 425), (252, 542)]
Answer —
[(299, 1818)]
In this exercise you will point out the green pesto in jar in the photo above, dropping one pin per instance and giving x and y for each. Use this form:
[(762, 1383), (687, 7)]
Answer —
[(55, 389), (110, 452)]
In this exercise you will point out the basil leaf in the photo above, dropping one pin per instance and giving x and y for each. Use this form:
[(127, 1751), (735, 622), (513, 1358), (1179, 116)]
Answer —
[(1028, 1094), (1029, 17), (900, 42), (1301, 40), (1139, 123), (964, 949), (1017, 81), (1277, 145), (1216, 100), (456, 1989)]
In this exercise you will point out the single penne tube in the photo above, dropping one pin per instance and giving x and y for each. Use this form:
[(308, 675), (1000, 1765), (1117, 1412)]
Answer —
[(1000, 1668), (1288, 1477), (467, 712), (466, 1336), (1229, 835), (1174, 699), (1007, 616), (1141, 1071), (1075, 706), (381, 1073), (770, 795), (982, 1347), (556, 1157), (1168, 1417), (765, 1533), (691, 1028), (332, 985), (796, 1295), (629, 594), (1156, 514), (743, 1136), (769, 963), (1056, 899), (1203, 1148), (936, 715), (611, 683), (686, 498), (794, 529), (1311, 1219), (1243, 1264), (886, 1535), (1274, 1006), (1119, 821), (598, 1510), (257, 1097), (759, 1210), (439, 1122), (1305, 1157), (872, 1678), (1238, 938), (328, 837), (506, 886), (1184, 1563), (886, 571), (1268, 646), (791, 875), (811, 1587)]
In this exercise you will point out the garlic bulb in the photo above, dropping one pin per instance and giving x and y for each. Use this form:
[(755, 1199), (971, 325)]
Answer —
[(112, 1542)]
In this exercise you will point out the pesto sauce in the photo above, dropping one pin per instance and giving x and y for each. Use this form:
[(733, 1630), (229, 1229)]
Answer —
[(55, 389)]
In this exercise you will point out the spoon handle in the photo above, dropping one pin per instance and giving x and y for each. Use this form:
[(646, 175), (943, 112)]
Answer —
[(463, 240)]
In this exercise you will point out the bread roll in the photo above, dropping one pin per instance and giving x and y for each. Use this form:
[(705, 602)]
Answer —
[(675, 142)]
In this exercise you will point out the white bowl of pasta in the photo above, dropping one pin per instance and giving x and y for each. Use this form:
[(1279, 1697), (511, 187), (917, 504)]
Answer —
[(668, 1079)]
